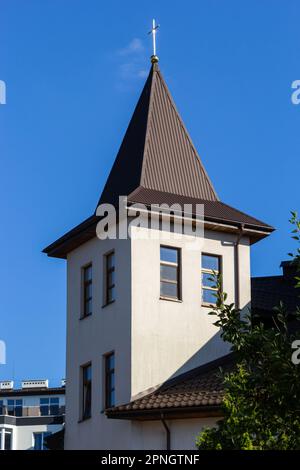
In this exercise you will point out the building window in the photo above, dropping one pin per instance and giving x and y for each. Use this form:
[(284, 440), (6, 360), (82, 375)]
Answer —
[(49, 406), (1, 407), (5, 439), (109, 360), (110, 285), (14, 407), (210, 264), (169, 273), (86, 372), (39, 440), (87, 290)]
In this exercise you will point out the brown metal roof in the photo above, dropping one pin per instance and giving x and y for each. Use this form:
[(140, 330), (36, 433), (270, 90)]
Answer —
[(157, 151), (212, 209), (157, 162), (200, 389)]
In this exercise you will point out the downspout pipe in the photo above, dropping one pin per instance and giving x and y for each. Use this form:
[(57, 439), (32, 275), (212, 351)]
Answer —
[(168, 433), (237, 266)]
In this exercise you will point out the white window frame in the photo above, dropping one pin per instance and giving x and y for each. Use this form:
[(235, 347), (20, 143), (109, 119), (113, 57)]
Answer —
[(4, 431)]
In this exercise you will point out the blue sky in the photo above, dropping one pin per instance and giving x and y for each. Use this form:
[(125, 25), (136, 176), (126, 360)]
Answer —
[(74, 70)]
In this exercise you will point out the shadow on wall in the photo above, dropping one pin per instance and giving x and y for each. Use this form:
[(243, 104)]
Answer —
[(213, 349)]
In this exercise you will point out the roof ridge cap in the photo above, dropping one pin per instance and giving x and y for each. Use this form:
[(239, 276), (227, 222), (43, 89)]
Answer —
[(154, 71)]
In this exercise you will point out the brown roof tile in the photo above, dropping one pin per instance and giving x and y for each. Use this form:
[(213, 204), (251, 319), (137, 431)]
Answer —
[(201, 387)]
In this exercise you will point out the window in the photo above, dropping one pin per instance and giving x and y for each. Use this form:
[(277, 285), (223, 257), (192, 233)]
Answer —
[(5, 439), (169, 273), (86, 372), (109, 360), (209, 265), (49, 406), (14, 407), (87, 291), (39, 440), (110, 289), (1, 407)]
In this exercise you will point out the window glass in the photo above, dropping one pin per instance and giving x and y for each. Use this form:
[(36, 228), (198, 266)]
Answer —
[(208, 280), (210, 265), (209, 296), (168, 272), (87, 391), (210, 262), (54, 406), (87, 290), (110, 278), (7, 440), (109, 380), (168, 254), (168, 290)]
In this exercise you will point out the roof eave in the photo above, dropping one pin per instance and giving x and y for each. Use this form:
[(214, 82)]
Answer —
[(170, 413), (87, 230)]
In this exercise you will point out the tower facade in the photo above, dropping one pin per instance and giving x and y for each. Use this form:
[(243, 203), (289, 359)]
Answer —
[(138, 306)]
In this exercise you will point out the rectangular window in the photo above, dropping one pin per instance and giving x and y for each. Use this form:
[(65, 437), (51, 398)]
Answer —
[(49, 406), (109, 380), (170, 272), (39, 440), (5, 439), (86, 372), (14, 407), (110, 285), (87, 290), (1, 407), (210, 264)]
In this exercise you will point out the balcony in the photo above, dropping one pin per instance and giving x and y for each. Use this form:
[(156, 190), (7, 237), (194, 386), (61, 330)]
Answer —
[(31, 411)]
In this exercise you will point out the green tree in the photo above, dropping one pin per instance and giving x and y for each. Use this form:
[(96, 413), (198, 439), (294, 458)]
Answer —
[(261, 407)]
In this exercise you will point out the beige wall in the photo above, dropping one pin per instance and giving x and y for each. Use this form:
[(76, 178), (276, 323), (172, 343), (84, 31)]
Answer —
[(168, 337), (107, 329), (153, 339), (151, 435)]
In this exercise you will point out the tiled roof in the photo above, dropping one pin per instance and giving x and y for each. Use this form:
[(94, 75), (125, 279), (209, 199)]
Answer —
[(200, 389), (268, 292)]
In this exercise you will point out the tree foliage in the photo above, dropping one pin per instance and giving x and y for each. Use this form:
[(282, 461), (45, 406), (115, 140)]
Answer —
[(261, 407)]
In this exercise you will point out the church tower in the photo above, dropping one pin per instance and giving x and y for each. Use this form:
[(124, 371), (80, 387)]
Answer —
[(137, 309)]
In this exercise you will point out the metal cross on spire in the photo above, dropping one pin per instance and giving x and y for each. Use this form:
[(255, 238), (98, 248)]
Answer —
[(153, 31)]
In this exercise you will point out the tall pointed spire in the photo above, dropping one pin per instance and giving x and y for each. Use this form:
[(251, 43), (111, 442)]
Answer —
[(157, 152), (157, 163)]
